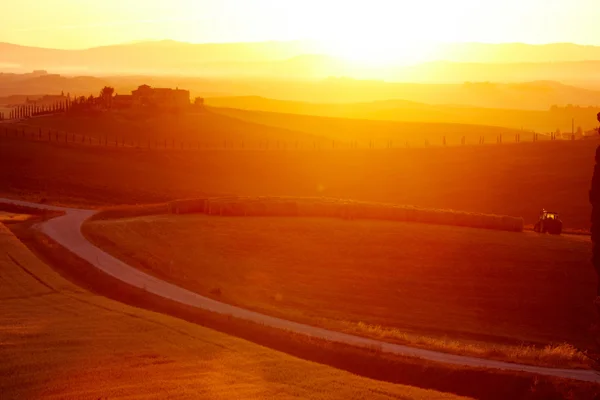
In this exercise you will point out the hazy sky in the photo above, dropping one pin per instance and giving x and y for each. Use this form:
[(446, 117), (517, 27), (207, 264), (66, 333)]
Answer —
[(350, 25)]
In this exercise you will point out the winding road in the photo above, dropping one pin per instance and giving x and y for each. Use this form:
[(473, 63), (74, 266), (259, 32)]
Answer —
[(66, 230)]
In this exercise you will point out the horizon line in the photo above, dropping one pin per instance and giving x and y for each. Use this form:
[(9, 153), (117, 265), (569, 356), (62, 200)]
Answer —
[(306, 40)]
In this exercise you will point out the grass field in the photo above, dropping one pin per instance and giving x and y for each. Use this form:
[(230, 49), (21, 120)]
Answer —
[(462, 290), (516, 180), (60, 341)]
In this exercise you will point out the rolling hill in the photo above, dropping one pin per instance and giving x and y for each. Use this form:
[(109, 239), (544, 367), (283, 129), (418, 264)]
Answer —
[(378, 131), (207, 128), (408, 111)]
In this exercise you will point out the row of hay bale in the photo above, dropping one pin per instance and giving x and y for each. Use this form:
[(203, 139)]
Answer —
[(336, 208)]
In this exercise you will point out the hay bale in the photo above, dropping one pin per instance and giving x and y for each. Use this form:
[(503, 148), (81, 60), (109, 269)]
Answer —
[(233, 208), (465, 219), (282, 208), (519, 224), (291, 208), (214, 207), (307, 208), (320, 207), (345, 209), (493, 222), (478, 220), (512, 224), (368, 211), (398, 213), (332, 209), (411, 214), (443, 217), (188, 206), (273, 208), (210, 207), (376, 211), (426, 216), (507, 223), (256, 208), (384, 212), (349, 210)]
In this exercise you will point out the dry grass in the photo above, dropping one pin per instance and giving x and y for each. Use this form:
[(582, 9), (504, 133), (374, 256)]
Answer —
[(8, 217), (478, 292), (60, 341), (550, 355)]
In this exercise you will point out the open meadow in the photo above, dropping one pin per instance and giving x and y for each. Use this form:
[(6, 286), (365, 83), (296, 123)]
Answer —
[(462, 290), (59, 341)]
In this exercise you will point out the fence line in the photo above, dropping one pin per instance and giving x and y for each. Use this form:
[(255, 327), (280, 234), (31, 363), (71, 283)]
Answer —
[(163, 143)]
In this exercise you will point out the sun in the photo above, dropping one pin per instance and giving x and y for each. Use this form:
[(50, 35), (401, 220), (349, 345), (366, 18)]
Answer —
[(375, 53)]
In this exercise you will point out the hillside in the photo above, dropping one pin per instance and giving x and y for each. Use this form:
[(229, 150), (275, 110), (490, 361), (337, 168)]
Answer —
[(408, 111), (379, 131), (517, 180), (208, 128)]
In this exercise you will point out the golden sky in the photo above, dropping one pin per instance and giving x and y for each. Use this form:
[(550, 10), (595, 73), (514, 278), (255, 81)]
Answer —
[(350, 28)]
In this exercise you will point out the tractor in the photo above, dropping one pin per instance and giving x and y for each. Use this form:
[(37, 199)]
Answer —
[(548, 222)]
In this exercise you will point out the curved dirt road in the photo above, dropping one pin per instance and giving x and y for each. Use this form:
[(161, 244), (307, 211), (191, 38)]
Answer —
[(66, 230)]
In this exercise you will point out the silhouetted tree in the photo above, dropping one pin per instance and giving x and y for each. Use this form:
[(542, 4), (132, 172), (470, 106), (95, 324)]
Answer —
[(106, 95)]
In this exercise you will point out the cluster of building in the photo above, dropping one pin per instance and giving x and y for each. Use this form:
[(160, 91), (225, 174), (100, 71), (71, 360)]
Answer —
[(145, 96)]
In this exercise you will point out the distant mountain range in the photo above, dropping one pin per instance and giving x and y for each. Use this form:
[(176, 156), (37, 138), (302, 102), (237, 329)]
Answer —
[(565, 62)]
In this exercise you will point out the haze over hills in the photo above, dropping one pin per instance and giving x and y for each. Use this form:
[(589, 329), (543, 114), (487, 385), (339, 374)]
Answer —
[(445, 63), (147, 56), (539, 95), (516, 52)]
